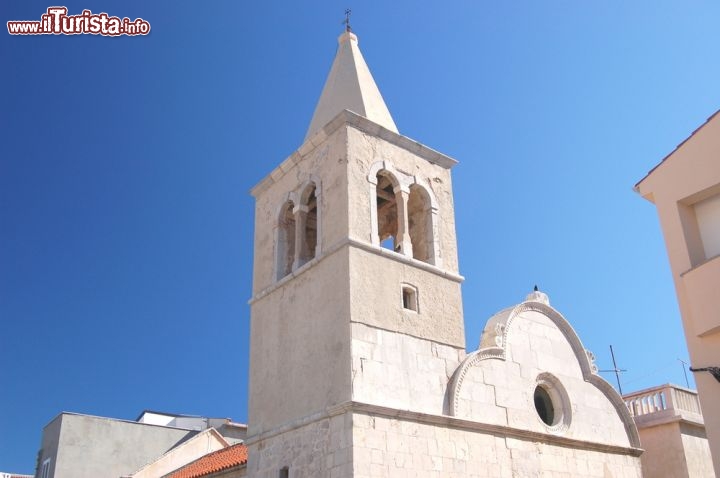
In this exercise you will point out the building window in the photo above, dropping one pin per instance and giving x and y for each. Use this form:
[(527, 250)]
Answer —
[(285, 240), (409, 297), (552, 403), (387, 211), (297, 238), (420, 225), (285, 472), (707, 213), (45, 469), (544, 406)]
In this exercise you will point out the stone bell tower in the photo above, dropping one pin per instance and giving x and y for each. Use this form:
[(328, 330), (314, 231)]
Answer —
[(356, 307), (357, 350)]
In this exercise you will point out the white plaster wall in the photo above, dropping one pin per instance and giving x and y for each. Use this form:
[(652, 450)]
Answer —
[(376, 299), (98, 447), (190, 423), (697, 451), (156, 419), (363, 151), (319, 449), (385, 447), (501, 391), (196, 447), (401, 371), (300, 346), (664, 455)]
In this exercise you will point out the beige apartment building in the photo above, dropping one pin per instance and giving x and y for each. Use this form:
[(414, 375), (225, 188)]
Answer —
[(685, 188), (672, 432)]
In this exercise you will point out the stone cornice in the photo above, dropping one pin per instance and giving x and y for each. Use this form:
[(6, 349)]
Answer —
[(669, 416), (349, 242), (505, 431), (294, 425), (445, 421), (396, 256), (360, 123)]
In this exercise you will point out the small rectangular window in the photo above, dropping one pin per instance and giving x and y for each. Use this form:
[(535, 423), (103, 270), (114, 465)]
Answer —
[(284, 472), (409, 298), (707, 213)]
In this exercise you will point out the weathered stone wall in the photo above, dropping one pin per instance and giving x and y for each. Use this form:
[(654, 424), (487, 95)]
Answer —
[(386, 447), (401, 371), (376, 281), (320, 448), (697, 451), (299, 338), (300, 346)]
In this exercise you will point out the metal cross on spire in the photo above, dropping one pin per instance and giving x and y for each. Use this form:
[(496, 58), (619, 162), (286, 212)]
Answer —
[(346, 22)]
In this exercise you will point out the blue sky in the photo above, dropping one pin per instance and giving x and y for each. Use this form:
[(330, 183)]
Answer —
[(125, 165)]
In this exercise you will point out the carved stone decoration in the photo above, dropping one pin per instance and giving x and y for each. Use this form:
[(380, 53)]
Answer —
[(499, 329), (591, 359)]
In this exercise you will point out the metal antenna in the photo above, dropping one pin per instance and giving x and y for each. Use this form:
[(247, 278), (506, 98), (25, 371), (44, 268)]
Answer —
[(346, 22), (615, 369), (684, 366)]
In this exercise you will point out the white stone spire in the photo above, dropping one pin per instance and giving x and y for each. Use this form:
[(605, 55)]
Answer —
[(350, 86)]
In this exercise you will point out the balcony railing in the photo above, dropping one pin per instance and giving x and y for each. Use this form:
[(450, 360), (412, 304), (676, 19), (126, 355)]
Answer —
[(666, 399)]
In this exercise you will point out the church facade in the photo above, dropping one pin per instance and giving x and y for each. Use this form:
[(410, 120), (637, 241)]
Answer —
[(358, 365)]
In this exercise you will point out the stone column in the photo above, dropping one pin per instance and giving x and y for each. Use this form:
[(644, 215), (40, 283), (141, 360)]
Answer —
[(403, 243), (301, 248)]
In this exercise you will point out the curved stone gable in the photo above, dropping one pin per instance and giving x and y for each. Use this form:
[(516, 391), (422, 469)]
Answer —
[(528, 346)]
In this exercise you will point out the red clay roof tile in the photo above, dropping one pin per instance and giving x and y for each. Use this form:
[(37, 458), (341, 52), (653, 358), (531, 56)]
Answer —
[(229, 457)]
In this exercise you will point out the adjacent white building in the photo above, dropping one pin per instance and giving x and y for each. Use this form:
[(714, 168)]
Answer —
[(85, 446)]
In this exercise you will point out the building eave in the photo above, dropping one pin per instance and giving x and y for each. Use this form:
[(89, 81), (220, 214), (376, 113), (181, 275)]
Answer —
[(636, 188)]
